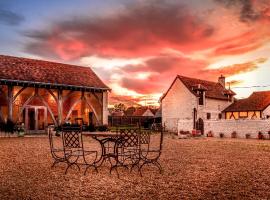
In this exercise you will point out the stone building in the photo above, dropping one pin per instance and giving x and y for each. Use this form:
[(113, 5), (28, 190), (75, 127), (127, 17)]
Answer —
[(39, 93), (193, 101)]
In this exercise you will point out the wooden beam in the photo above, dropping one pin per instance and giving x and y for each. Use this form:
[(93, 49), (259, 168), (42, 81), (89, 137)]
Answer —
[(48, 107), (99, 100), (68, 95), (73, 106), (18, 93), (92, 108), (51, 93), (23, 107), (60, 106)]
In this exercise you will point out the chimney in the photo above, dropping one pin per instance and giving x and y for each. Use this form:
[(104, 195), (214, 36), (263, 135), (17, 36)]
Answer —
[(221, 80)]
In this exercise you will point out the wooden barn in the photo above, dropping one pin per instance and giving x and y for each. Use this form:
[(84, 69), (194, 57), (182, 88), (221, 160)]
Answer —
[(41, 93)]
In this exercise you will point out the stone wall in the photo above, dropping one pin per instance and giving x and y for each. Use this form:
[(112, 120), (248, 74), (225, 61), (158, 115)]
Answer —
[(242, 127)]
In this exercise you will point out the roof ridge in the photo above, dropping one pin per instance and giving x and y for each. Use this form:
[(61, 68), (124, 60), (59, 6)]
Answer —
[(180, 76), (45, 61)]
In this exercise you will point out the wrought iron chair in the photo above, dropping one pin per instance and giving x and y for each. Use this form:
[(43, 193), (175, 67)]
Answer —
[(56, 152), (150, 155), (74, 149), (126, 149)]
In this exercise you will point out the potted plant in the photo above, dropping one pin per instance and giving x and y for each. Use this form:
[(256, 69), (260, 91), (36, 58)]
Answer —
[(260, 135), (221, 135), (234, 134), (247, 136), (21, 130), (210, 134), (57, 130)]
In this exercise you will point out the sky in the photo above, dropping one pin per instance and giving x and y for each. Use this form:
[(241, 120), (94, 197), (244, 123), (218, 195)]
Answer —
[(138, 47)]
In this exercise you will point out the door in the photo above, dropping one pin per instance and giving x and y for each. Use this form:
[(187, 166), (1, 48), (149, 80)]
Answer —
[(35, 119), (200, 125)]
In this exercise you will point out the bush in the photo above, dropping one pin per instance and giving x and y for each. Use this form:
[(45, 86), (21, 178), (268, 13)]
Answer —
[(9, 126), (102, 128), (91, 128)]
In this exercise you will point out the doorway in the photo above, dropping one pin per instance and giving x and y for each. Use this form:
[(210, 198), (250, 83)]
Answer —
[(200, 125), (35, 119)]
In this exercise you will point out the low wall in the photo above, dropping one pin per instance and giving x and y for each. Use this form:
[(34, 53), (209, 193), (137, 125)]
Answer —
[(241, 127)]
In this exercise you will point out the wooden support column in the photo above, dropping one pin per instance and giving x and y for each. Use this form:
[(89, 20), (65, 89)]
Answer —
[(10, 102), (60, 106), (104, 107)]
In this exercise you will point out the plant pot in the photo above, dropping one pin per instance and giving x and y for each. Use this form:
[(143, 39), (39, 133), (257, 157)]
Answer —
[(21, 134)]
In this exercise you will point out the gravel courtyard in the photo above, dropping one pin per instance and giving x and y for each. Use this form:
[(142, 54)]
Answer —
[(206, 168)]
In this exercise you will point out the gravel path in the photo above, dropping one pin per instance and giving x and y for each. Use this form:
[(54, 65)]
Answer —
[(206, 168)]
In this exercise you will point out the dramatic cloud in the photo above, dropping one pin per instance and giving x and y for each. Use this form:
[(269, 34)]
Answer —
[(139, 30), (248, 12), (8, 17), (234, 69), (162, 69)]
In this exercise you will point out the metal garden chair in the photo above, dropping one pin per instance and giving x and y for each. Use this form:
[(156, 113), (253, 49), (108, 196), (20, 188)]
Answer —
[(74, 150), (149, 155), (126, 149), (56, 152)]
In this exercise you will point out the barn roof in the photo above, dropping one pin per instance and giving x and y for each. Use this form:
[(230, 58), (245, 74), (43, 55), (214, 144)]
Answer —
[(140, 111), (27, 71), (257, 101), (212, 90)]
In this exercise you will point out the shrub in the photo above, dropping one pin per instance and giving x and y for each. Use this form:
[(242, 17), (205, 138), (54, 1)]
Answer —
[(9, 126), (102, 128), (91, 128)]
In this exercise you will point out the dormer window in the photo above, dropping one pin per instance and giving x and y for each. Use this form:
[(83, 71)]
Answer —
[(199, 89)]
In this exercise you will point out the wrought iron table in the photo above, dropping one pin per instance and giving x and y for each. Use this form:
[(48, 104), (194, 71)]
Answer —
[(107, 141)]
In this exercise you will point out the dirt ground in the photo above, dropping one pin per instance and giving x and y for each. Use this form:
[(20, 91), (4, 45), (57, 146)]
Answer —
[(205, 168)]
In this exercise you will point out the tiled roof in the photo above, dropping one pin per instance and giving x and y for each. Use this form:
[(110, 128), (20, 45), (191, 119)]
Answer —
[(212, 89), (140, 111), (257, 101), (130, 111), (52, 73)]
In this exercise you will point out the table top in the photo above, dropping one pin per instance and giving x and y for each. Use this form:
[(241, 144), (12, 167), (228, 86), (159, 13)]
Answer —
[(100, 134)]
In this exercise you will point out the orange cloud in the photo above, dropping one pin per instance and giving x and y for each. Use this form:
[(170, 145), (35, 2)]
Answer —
[(235, 69), (141, 30)]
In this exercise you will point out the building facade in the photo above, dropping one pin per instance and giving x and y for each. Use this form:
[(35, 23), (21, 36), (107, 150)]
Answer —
[(41, 93), (256, 106), (194, 101)]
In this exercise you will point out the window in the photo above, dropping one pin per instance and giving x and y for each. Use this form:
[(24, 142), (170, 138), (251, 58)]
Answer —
[(208, 115), (201, 100), (219, 115)]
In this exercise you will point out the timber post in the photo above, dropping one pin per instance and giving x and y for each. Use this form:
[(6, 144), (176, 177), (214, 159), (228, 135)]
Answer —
[(60, 106), (10, 102)]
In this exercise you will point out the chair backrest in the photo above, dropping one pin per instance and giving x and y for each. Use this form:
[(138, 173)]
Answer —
[(144, 137), (72, 139), (129, 137)]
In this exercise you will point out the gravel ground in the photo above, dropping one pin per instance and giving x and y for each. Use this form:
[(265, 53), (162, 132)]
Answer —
[(206, 168)]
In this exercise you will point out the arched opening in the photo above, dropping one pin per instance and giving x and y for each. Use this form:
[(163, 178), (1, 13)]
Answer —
[(200, 125)]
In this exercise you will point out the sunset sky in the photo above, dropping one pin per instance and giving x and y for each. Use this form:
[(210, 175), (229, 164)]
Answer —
[(138, 47)]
